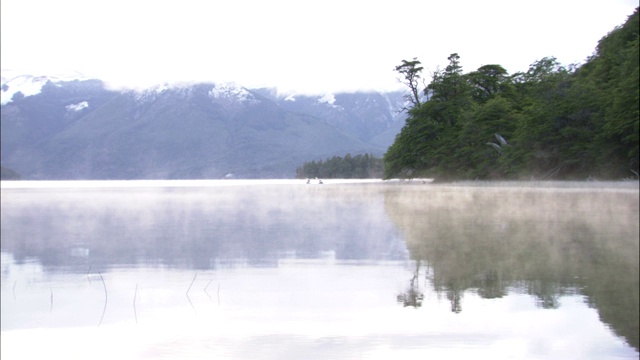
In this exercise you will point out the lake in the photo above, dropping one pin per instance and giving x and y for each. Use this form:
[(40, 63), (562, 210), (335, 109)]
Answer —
[(281, 269)]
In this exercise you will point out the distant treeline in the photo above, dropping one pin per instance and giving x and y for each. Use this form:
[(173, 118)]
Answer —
[(348, 167), (8, 174), (550, 122)]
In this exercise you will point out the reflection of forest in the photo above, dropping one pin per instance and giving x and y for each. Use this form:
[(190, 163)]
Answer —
[(547, 242)]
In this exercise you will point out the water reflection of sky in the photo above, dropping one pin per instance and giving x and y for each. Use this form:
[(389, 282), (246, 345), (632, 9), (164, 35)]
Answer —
[(325, 287), (299, 309)]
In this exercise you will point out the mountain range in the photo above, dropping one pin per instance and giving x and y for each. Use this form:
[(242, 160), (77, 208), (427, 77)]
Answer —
[(55, 129)]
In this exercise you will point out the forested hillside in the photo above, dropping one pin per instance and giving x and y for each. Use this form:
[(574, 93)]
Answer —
[(550, 122)]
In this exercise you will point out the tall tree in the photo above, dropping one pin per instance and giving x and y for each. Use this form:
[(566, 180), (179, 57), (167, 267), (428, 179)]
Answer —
[(410, 70)]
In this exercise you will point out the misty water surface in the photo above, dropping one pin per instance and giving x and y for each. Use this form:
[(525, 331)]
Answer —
[(342, 270)]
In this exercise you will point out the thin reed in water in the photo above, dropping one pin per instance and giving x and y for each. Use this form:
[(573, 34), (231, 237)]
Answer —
[(187, 293), (194, 279), (135, 294), (205, 289), (105, 299)]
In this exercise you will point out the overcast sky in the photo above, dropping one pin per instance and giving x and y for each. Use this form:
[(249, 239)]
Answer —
[(297, 45)]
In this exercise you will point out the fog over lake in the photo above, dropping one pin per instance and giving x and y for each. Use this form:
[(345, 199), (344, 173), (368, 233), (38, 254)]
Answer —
[(281, 269)]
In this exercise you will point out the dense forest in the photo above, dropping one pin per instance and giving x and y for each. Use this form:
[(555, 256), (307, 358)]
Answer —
[(349, 167), (550, 122)]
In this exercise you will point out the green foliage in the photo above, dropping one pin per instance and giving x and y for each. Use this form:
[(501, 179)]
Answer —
[(551, 121), (488, 81), (350, 167)]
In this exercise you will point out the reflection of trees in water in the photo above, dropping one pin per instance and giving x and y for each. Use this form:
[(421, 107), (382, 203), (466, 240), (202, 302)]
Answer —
[(547, 293), (412, 296), (491, 285), (544, 242), (455, 297)]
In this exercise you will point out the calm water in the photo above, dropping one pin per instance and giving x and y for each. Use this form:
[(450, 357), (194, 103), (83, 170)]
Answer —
[(343, 270)]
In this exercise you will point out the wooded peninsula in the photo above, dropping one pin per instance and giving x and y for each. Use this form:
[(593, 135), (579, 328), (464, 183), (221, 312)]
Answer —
[(550, 122)]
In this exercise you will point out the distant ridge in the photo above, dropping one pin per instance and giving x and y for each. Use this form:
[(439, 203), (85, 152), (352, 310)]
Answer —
[(79, 129)]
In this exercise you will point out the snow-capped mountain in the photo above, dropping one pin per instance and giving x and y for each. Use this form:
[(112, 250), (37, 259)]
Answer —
[(13, 82), (372, 117), (56, 128), (25, 84)]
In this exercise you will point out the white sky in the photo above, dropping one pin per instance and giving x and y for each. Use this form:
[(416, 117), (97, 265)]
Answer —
[(308, 46)]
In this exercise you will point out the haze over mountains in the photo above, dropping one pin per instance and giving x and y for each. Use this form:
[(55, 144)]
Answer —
[(57, 128)]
